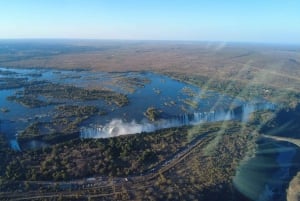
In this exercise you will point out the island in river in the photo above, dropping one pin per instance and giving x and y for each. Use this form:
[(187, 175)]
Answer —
[(156, 133)]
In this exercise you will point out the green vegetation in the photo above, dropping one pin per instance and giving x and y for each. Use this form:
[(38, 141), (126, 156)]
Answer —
[(202, 177), (5, 154), (4, 109), (65, 123), (204, 172), (237, 88), (188, 91), (152, 113), (193, 174), (191, 103), (15, 82), (120, 156), (74, 111), (29, 101), (132, 154), (7, 72), (50, 91), (170, 103), (130, 84)]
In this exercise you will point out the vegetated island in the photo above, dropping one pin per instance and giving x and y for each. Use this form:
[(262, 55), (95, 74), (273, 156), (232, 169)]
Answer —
[(191, 163)]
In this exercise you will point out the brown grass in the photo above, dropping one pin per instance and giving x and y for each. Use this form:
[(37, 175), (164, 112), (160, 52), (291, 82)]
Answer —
[(293, 192), (278, 66)]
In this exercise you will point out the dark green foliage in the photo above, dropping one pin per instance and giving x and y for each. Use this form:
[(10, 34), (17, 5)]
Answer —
[(120, 156), (63, 127), (205, 177), (50, 91), (29, 101), (12, 83), (152, 113), (197, 176), (237, 88), (4, 154)]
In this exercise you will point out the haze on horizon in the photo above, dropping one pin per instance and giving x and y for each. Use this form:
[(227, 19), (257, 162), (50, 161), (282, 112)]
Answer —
[(268, 21)]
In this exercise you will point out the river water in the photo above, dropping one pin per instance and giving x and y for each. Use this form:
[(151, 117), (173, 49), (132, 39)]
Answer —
[(262, 177), (266, 175), (169, 96)]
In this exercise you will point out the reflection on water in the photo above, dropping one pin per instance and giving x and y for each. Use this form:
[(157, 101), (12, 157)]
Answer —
[(262, 177), (15, 145), (265, 176), (118, 127), (179, 103)]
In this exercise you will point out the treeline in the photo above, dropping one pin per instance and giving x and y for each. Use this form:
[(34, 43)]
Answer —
[(64, 125), (29, 97), (202, 175), (248, 91), (5, 153), (120, 156)]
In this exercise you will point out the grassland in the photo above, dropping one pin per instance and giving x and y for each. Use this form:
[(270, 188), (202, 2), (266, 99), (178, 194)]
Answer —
[(272, 65), (203, 171), (248, 70)]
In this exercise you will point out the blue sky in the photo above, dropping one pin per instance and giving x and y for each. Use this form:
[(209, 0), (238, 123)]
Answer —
[(275, 21)]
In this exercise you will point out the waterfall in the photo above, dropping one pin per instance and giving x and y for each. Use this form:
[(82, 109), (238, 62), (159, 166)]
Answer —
[(118, 127)]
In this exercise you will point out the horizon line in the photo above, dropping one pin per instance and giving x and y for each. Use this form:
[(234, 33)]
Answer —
[(151, 40)]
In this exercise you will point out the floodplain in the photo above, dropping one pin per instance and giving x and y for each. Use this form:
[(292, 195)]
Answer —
[(148, 120)]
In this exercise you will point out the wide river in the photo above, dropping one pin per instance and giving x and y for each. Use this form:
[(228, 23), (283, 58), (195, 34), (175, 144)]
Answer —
[(262, 177), (179, 103)]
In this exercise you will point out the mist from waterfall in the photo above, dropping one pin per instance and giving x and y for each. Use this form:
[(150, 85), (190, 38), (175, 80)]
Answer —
[(118, 127)]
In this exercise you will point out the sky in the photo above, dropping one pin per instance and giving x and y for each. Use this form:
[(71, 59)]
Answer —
[(269, 21)]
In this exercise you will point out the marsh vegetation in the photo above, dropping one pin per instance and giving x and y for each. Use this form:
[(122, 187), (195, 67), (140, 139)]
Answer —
[(29, 97), (180, 163)]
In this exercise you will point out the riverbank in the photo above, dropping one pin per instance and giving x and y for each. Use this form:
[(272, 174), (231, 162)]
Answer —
[(267, 174)]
